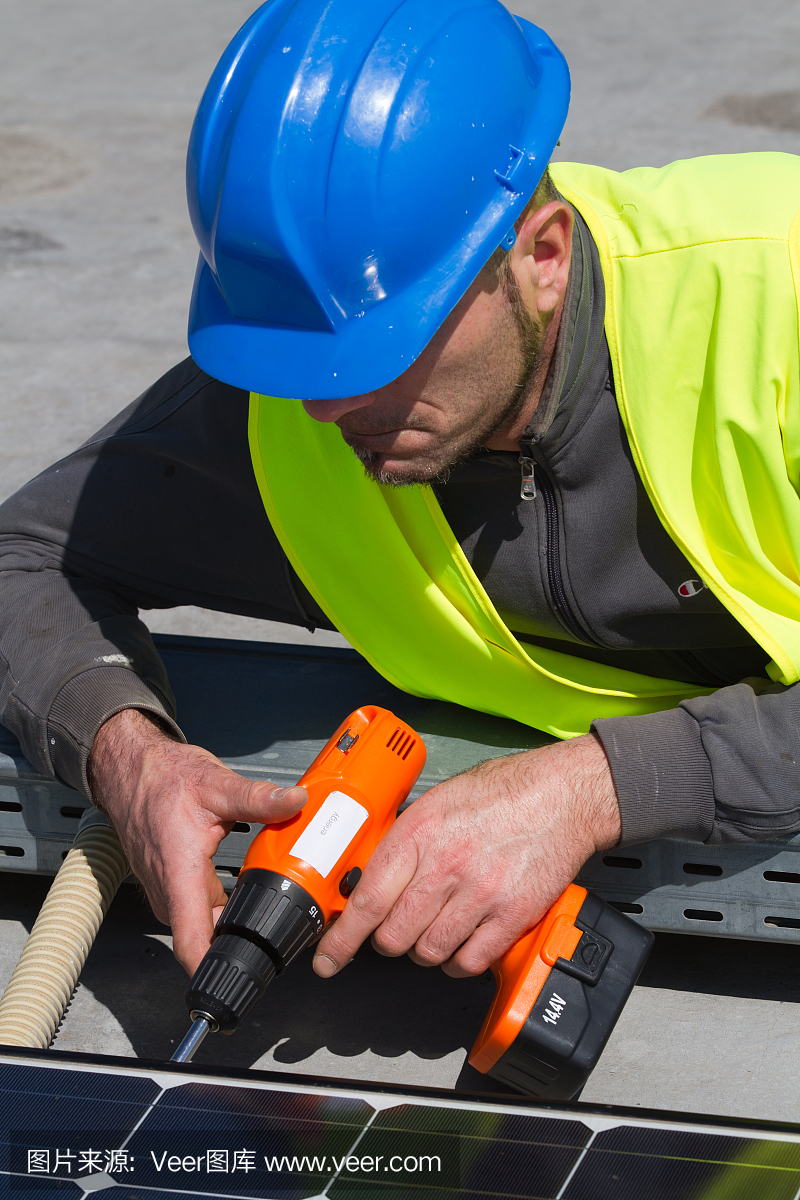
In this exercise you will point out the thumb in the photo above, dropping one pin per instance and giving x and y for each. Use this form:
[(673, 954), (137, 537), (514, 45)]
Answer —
[(257, 800)]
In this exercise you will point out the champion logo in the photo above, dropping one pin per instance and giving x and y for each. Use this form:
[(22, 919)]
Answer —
[(691, 587)]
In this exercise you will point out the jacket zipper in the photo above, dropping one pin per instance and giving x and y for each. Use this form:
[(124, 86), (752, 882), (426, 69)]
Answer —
[(528, 491)]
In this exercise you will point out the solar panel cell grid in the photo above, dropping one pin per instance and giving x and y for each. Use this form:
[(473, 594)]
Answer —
[(477, 1150), (354, 1144), (243, 1130), (125, 1193), (66, 1099), (137, 1194), (40, 1189), (67, 1110), (629, 1163), (212, 1102)]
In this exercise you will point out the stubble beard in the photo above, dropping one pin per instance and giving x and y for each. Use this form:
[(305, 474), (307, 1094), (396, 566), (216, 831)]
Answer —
[(435, 467)]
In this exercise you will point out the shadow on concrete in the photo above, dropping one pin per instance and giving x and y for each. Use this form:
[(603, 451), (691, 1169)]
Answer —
[(724, 967), (389, 1007)]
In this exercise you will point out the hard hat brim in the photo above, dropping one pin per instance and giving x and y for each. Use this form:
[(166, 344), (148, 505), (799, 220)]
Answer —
[(362, 355)]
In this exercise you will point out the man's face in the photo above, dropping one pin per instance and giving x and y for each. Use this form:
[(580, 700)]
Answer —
[(469, 384)]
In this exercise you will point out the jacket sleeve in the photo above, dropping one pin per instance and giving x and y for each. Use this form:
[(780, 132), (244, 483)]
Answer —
[(158, 509), (719, 768)]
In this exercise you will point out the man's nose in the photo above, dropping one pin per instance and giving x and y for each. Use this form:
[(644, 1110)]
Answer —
[(332, 410)]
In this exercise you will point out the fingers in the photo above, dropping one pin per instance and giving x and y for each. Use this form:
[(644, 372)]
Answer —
[(418, 898), (196, 896), (243, 799), (426, 922), (172, 804), (484, 947), (196, 899), (471, 932), (438, 942), (386, 875)]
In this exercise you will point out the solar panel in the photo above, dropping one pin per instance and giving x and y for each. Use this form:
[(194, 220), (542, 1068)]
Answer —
[(74, 1125)]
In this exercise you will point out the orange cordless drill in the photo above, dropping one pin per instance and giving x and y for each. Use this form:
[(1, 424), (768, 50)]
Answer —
[(561, 987)]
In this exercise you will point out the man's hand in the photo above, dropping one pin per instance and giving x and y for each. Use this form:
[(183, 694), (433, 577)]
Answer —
[(478, 860), (172, 805)]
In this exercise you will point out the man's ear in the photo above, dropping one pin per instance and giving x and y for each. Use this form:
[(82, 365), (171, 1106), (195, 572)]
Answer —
[(540, 257)]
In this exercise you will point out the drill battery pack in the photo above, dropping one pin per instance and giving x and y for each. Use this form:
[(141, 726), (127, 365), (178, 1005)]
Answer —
[(561, 989)]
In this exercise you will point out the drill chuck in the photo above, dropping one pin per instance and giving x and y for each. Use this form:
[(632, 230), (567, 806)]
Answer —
[(266, 923)]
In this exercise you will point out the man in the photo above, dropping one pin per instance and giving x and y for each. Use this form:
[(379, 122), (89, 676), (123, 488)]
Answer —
[(599, 384)]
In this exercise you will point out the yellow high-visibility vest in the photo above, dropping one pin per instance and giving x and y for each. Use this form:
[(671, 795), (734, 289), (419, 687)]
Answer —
[(701, 262)]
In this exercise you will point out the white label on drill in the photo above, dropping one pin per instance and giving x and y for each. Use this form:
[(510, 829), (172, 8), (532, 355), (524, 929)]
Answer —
[(325, 839)]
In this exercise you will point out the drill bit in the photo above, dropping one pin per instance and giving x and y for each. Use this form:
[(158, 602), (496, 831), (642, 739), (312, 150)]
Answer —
[(200, 1027)]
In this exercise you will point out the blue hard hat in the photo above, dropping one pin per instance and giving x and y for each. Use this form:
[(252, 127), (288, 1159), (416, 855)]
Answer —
[(352, 166)]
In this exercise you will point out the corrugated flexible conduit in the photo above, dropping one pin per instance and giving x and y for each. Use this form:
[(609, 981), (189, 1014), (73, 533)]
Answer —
[(44, 979)]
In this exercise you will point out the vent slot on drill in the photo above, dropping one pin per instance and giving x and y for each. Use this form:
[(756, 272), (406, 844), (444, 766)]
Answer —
[(401, 743)]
